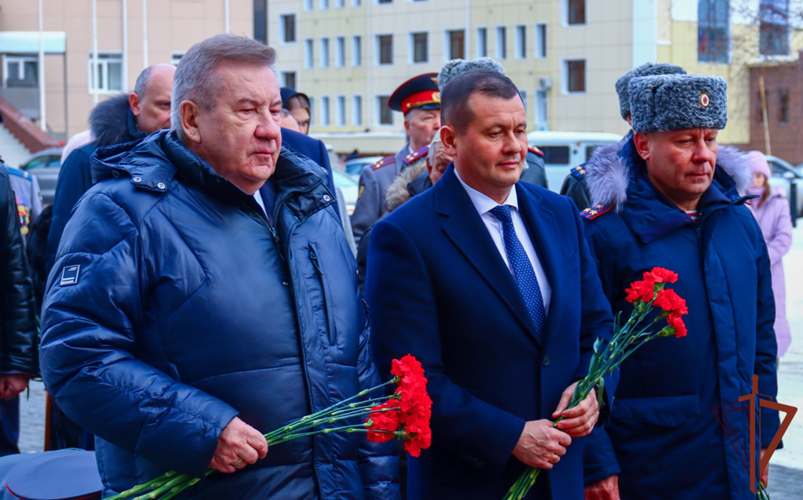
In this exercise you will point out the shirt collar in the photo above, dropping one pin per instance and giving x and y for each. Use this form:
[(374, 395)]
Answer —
[(484, 203)]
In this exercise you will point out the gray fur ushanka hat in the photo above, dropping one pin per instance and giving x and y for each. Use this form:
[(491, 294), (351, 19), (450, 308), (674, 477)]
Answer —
[(457, 67), (647, 69), (677, 102)]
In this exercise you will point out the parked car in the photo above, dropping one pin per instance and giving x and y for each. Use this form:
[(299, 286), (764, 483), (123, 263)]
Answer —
[(564, 150), (45, 165), (355, 166), (349, 187), (783, 175)]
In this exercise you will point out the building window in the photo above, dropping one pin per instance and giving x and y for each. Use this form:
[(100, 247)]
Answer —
[(576, 12), (783, 106), (288, 28), (325, 120), (324, 4), (107, 76), (340, 111), (501, 42), (713, 32), (384, 1), (20, 71), (340, 51), (339, 4), (324, 52), (307, 4), (309, 53), (420, 47), (384, 49), (773, 16), (289, 79), (356, 111), (356, 50), (457, 44), (482, 42), (312, 109), (384, 115), (541, 110), (356, 3), (261, 21), (540, 41), (523, 94), (175, 57), (576, 76), (521, 42)]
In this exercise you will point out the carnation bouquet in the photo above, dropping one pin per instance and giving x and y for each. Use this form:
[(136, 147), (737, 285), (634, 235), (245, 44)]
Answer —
[(405, 415), (646, 296)]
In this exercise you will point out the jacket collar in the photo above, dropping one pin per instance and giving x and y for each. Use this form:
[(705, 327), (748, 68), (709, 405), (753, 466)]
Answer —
[(153, 163), (651, 215)]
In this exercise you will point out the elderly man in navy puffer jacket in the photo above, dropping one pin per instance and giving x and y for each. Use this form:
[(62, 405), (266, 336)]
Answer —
[(204, 294)]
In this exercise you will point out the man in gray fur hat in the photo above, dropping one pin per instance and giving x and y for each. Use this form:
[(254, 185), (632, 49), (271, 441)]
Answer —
[(574, 185), (673, 198)]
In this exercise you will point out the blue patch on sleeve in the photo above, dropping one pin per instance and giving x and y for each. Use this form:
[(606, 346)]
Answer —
[(69, 275)]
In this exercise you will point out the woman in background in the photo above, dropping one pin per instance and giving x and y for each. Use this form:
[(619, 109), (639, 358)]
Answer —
[(771, 210)]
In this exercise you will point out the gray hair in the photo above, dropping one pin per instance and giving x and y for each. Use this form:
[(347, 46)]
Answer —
[(195, 78)]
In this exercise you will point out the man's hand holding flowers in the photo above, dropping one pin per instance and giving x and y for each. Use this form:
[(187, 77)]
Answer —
[(238, 445), (580, 420), (541, 444)]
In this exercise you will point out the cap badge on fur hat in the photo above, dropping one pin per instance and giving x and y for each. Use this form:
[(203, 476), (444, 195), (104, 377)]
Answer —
[(677, 102)]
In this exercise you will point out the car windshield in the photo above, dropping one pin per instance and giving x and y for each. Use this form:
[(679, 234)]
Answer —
[(342, 180)]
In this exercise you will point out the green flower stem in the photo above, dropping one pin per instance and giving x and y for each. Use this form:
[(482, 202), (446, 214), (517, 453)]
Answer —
[(293, 429), (164, 488)]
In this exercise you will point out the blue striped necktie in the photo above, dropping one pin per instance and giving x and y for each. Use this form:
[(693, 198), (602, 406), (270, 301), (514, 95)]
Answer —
[(522, 268)]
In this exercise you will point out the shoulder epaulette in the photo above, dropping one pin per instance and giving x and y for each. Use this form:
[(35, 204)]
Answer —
[(384, 162), (18, 172), (535, 150), (592, 213), (414, 157), (579, 172)]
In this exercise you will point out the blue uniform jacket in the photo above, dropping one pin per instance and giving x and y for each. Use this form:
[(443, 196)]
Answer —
[(438, 288), (663, 432), (174, 306)]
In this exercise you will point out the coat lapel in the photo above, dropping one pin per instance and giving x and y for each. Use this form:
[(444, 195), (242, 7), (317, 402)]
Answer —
[(540, 223), (465, 228)]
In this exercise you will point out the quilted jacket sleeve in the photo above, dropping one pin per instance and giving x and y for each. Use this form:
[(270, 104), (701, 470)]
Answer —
[(92, 310)]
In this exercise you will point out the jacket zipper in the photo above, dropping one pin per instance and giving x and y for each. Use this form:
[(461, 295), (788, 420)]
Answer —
[(330, 324)]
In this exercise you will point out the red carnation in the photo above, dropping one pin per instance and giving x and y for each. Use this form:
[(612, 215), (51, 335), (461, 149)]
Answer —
[(660, 275), (418, 438), (640, 290), (384, 417), (676, 322), (407, 366), (671, 302)]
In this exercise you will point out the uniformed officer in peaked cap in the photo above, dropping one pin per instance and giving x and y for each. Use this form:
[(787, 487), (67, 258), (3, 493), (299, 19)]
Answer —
[(420, 101)]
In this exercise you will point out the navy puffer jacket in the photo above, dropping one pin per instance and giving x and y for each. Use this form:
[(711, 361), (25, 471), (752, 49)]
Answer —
[(189, 308)]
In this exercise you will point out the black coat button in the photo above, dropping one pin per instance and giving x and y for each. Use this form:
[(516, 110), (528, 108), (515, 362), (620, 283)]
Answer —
[(546, 360)]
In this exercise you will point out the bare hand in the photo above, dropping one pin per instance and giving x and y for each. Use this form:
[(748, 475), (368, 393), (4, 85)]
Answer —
[(607, 489), (765, 474), (13, 384), (541, 445), (580, 420), (239, 444)]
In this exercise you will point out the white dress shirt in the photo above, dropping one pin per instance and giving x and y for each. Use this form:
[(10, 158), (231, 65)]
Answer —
[(261, 202), (484, 205)]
